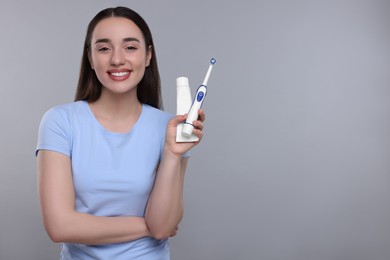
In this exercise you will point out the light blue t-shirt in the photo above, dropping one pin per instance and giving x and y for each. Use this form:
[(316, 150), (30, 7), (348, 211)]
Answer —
[(113, 173)]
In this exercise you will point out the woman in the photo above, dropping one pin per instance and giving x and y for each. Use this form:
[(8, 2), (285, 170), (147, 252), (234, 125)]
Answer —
[(110, 173)]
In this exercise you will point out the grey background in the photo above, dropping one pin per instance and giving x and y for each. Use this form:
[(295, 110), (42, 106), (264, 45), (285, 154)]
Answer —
[(295, 161)]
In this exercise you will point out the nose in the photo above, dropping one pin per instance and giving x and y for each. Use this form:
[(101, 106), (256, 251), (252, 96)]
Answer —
[(117, 58)]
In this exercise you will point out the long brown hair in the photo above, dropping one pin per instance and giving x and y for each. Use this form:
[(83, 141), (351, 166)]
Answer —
[(89, 87)]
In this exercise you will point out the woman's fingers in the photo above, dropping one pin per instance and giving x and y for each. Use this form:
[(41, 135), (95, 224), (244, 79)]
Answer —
[(201, 115), (198, 125)]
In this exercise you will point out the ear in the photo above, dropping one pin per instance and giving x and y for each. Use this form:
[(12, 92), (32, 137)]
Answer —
[(149, 55)]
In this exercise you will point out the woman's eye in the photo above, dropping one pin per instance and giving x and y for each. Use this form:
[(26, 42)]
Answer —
[(130, 48), (103, 49)]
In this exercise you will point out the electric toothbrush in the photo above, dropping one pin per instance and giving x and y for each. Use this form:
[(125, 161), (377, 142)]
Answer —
[(200, 95)]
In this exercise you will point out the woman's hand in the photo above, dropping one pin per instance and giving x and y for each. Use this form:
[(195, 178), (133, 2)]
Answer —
[(179, 149)]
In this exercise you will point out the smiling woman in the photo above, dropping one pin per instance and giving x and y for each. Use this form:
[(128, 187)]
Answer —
[(89, 87), (118, 50), (110, 172)]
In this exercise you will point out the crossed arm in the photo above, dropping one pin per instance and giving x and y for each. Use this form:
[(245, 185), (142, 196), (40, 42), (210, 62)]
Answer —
[(163, 213), (62, 222)]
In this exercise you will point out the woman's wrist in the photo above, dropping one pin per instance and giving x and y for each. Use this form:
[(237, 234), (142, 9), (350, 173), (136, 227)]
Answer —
[(168, 153)]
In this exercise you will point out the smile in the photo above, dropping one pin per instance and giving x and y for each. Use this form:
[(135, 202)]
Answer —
[(119, 74)]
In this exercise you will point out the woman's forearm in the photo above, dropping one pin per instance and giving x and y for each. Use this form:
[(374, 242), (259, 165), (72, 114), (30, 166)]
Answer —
[(84, 228), (165, 207)]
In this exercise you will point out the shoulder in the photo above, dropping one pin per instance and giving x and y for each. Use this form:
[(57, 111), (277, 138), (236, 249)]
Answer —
[(69, 107), (62, 116), (154, 121), (156, 115), (65, 111), (56, 128)]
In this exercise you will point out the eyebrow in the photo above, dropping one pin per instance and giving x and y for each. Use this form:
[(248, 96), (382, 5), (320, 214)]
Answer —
[(106, 40)]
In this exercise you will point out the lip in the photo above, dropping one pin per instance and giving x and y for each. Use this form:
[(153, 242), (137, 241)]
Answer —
[(119, 74)]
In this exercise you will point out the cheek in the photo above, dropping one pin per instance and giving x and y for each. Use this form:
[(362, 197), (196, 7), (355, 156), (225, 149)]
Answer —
[(138, 59), (99, 69), (98, 59), (97, 64)]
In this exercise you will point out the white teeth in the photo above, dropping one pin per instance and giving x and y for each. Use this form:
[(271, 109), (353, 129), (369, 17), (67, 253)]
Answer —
[(119, 74)]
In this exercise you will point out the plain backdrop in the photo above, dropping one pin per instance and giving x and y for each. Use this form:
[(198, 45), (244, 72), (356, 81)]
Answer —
[(295, 160)]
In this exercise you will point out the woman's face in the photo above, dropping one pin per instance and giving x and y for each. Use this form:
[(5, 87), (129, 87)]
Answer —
[(118, 54)]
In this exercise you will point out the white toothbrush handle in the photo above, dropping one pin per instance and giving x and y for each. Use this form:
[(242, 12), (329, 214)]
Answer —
[(193, 113)]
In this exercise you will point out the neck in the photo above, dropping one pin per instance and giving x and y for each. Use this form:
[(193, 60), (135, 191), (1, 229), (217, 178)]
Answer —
[(117, 105)]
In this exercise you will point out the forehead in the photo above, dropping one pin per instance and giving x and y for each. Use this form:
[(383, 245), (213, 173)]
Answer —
[(117, 28)]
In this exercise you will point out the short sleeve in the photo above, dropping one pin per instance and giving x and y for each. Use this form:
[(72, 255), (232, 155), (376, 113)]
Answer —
[(186, 154), (54, 132)]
